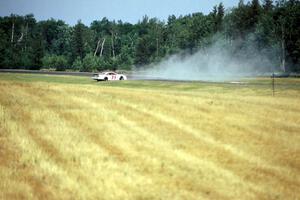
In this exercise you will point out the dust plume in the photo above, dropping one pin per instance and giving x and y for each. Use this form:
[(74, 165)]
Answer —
[(222, 60)]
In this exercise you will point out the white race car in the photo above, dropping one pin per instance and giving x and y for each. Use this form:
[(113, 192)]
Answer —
[(109, 76)]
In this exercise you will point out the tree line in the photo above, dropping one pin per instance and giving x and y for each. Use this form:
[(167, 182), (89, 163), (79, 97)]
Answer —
[(26, 43)]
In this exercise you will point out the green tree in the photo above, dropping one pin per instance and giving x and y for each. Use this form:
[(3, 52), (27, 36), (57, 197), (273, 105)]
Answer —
[(124, 60), (78, 40), (37, 51), (106, 44), (254, 14), (267, 5), (220, 16), (142, 52)]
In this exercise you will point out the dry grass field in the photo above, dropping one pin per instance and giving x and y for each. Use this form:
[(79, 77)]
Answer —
[(72, 138)]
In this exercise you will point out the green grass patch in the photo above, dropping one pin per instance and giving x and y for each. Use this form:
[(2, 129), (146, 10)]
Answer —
[(257, 86)]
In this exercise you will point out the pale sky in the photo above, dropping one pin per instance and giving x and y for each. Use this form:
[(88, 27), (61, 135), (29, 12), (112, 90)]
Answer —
[(88, 10)]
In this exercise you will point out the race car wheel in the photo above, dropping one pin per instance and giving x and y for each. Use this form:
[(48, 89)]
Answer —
[(121, 78), (105, 79)]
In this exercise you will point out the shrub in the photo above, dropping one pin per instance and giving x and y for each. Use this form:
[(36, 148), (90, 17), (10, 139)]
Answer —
[(53, 61), (92, 63), (77, 64)]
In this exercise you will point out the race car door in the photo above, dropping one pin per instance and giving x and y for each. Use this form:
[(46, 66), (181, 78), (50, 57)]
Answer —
[(112, 76)]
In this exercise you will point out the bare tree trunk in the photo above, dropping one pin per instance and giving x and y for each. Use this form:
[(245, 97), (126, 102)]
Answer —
[(102, 46), (131, 39), (97, 48), (12, 32), (21, 37), (112, 44)]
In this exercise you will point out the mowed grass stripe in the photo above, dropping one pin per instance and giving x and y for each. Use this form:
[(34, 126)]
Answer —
[(156, 156), (89, 129), (87, 109), (219, 102), (12, 185), (120, 94), (255, 115), (138, 158), (281, 177), (174, 110), (48, 142), (242, 96), (92, 100), (26, 170), (66, 165), (186, 156), (85, 133), (252, 122)]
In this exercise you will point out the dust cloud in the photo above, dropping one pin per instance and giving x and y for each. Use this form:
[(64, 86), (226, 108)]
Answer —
[(222, 60)]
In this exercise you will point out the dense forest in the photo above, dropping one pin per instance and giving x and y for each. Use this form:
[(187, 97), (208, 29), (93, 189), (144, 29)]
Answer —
[(26, 43)]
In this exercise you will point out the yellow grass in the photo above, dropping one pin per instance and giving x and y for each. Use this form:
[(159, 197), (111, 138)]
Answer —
[(100, 141)]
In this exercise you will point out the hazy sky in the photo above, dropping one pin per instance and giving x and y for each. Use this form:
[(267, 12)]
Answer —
[(88, 10)]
